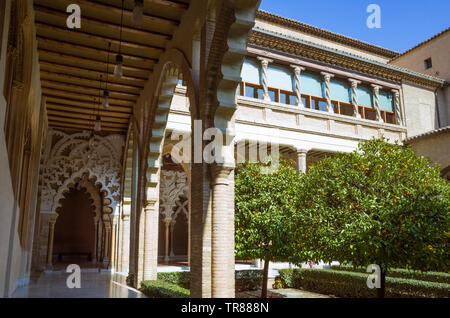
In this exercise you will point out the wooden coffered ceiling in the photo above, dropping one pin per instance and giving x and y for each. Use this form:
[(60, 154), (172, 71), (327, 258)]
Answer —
[(74, 64)]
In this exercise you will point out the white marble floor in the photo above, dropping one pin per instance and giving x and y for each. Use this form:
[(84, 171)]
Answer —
[(94, 284)]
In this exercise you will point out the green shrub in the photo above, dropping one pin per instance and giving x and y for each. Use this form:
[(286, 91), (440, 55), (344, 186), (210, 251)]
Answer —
[(437, 277), (246, 280), (162, 289), (178, 278), (353, 284)]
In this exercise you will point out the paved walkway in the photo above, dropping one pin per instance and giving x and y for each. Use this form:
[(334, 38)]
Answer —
[(282, 293), (94, 284)]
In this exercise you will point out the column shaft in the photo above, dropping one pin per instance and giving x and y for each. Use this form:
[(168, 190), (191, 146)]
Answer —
[(125, 243), (376, 94), (301, 160), (222, 234), (297, 88), (264, 64), (151, 240), (354, 84), (327, 77)]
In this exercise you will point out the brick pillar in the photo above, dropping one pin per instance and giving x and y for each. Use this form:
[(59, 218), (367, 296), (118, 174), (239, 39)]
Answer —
[(151, 240), (125, 253), (200, 232), (222, 268)]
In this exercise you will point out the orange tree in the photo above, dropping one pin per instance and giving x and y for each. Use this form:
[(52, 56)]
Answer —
[(381, 205), (264, 205)]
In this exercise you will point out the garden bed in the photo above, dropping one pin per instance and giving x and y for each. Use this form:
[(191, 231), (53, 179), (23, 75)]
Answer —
[(353, 284)]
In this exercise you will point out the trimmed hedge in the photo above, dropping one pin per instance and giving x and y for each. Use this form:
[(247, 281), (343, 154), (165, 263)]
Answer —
[(437, 277), (248, 280), (353, 285), (245, 280), (178, 278), (162, 289)]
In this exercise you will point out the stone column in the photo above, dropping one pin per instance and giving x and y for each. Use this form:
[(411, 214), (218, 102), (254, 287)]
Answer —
[(354, 84), (327, 77), (125, 243), (166, 237), (151, 240), (264, 64), (301, 160), (172, 229), (94, 258), (397, 108), (51, 236), (107, 242), (222, 268), (297, 72), (376, 95)]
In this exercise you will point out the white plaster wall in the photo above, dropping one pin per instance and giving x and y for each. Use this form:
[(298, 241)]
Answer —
[(10, 249), (6, 194), (420, 108)]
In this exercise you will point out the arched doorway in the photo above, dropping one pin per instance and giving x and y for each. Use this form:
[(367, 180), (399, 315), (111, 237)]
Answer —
[(174, 213), (75, 234)]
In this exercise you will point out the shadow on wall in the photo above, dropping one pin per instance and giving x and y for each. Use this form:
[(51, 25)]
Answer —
[(74, 228)]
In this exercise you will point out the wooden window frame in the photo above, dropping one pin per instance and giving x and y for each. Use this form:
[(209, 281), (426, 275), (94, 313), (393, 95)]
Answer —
[(310, 98)]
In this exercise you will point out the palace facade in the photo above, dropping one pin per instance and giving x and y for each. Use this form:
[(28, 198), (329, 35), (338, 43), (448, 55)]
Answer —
[(89, 161)]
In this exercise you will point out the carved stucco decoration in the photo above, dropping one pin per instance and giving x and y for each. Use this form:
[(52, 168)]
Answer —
[(173, 185), (72, 157)]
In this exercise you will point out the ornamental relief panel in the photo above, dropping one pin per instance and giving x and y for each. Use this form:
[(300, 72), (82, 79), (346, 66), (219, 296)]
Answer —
[(173, 186), (70, 157)]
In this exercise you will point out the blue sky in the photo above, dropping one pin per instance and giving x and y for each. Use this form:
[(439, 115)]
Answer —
[(404, 23)]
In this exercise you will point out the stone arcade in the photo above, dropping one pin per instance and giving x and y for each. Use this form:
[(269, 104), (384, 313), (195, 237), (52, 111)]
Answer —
[(103, 186)]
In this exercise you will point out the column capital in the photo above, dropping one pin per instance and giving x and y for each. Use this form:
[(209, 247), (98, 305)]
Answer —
[(297, 68), (150, 203), (168, 220), (52, 218), (264, 60), (354, 81), (220, 174), (302, 151), (327, 76), (376, 87), (395, 91)]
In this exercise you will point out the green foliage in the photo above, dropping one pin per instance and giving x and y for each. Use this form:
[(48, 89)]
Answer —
[(381, 204), (162, 289), (264, 205), (353, 285), (245, 280), (437, 277), (178, 278), (248, 280)]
